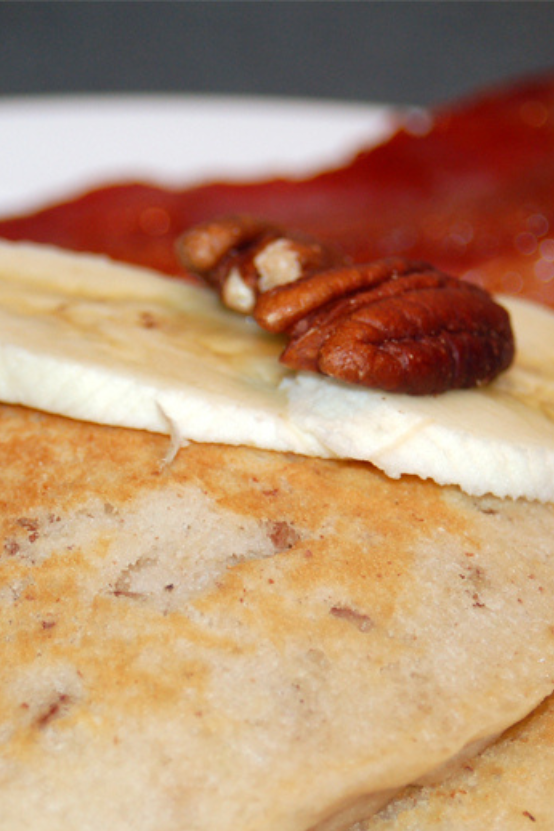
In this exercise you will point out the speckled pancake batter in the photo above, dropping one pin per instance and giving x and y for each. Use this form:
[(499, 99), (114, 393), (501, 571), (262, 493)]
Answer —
[(248, 640)]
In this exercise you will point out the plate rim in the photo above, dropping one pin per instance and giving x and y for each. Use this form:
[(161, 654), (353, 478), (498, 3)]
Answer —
[(347, 122)]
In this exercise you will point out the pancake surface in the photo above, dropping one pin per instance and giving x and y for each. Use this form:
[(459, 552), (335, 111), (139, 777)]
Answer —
[(505, 789), (249, 640)]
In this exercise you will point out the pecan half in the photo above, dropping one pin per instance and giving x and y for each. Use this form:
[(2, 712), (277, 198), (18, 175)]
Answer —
[(420, 332), (393, 324), (242, 257)]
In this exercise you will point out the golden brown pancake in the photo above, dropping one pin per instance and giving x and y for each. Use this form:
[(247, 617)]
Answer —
[(245, 640), (507, 788)]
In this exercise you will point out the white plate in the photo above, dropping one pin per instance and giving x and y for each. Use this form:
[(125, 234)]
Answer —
[(52, 146)]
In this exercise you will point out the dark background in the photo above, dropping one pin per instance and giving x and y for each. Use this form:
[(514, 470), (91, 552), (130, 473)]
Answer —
[(418, 52)]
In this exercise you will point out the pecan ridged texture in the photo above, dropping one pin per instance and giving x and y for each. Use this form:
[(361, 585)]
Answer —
[(394, 324), (242, 257)]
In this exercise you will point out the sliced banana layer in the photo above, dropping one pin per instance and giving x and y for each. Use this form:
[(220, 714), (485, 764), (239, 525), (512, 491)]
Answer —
[(87, 338)]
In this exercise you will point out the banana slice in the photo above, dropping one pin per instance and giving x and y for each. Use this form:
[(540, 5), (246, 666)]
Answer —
[(87, 338)]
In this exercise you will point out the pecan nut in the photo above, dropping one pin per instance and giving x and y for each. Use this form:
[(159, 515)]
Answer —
[(421, 333), (243, 257), (393, 324)]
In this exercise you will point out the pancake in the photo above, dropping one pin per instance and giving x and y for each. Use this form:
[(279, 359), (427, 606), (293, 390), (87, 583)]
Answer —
[(242, 639), (505, 789)]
